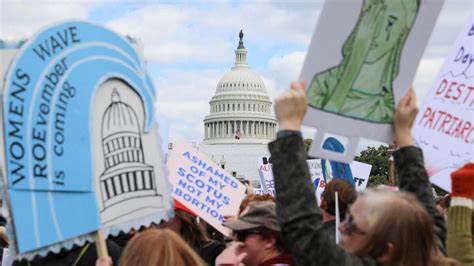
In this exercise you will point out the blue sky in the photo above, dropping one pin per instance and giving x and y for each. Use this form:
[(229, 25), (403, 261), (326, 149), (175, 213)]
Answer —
[(189, 45)]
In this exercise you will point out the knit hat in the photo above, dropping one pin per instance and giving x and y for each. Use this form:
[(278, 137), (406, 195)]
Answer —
[(462, 182), (179, 206)]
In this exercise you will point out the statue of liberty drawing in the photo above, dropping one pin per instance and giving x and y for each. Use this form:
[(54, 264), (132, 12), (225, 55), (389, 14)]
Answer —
[(361, 85)]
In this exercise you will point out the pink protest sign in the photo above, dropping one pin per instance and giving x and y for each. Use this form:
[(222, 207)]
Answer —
[(203, 186), (443, 128)]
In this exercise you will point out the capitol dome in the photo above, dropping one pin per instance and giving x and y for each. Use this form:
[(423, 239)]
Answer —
[(119, 116), (126, 176), (240, 110), (241, 79)]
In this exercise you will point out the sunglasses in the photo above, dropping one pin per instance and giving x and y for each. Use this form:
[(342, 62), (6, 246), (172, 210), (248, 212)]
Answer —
[(242, 235), (350, 226)]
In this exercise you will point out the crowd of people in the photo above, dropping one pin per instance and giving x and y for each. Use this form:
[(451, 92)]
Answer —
[(378, 226)]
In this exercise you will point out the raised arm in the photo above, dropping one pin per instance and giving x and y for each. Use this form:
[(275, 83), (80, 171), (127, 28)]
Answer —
[(298, 214), (412, 176)]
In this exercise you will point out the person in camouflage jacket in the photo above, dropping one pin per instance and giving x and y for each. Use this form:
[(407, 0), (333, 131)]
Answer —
[(300, 218)]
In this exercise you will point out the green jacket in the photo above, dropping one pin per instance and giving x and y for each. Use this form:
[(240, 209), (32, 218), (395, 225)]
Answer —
[(460, 244), (300, 218)]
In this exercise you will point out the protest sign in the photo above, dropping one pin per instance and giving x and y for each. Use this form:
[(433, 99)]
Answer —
[(317, 177), (78, 135), (315, 169), (266, 175), (7, 259), (353, 68), (443, 128), (203, 186), (359, 171), (261, 191)]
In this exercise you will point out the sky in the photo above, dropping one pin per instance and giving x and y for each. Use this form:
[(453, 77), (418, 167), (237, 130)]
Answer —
[(189, 45)]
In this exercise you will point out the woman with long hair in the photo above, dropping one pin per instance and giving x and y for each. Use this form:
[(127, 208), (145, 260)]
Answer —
[(159, 247), (185, 223), (395, 224)]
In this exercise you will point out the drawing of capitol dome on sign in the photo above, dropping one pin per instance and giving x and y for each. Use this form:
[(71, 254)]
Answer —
[(126, 176)]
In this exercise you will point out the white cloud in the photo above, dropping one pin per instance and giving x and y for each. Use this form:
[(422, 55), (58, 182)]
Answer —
[(172, 34), (205, 33), (284, 69), (191, 33), (21, 19), (183, 98)]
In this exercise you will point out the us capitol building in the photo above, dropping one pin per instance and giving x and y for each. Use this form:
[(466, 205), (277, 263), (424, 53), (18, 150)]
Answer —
[(241, 122)]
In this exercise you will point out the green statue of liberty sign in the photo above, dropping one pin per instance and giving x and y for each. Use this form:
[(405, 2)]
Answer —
[(361, 85)]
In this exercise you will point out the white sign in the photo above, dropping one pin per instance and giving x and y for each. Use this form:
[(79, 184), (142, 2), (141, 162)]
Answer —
[(261, 191), (444, 126), (203, 186), (360, 172), (354, 68), (317, 177), (7, 259), (266, 175)]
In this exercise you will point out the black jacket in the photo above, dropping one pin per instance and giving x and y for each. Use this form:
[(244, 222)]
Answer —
[(303, 231), (79, 256)]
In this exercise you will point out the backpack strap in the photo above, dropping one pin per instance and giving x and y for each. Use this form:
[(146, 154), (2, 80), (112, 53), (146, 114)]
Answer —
[(83, 251)]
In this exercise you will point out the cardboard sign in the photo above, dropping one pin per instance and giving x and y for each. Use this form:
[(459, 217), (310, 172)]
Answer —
[(359, 171), (266, 176), (315, 169), (261, 191), (79, 139), (317, 177), (353, 68), (7, 259), (445, 124), (203, 186)]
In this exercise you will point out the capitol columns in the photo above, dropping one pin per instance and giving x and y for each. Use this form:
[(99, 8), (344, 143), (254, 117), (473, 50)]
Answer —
[(247, 128), (219, 125), (265, 129), (255, 129), (226, 132), (214, 129)]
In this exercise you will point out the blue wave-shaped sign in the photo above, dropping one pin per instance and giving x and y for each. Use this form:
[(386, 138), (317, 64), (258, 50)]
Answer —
[(47, 112)]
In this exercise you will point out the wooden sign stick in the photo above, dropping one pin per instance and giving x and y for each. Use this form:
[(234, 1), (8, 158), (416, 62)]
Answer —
[(100, 244)]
